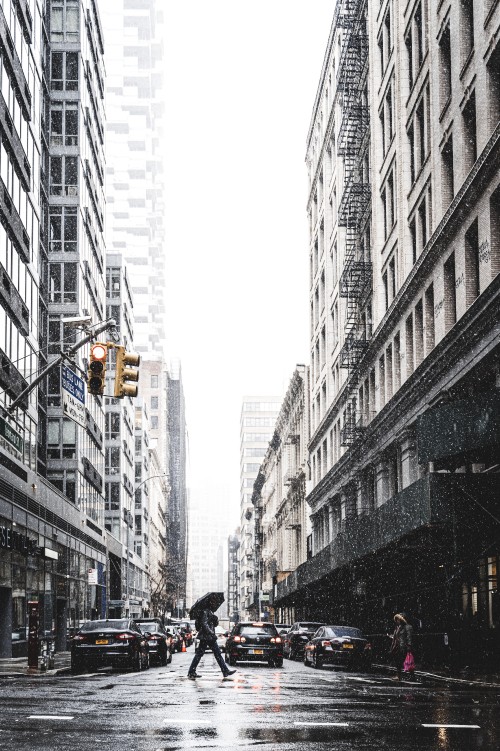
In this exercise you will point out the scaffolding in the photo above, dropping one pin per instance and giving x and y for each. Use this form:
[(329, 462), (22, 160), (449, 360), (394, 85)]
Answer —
[(356, 276)]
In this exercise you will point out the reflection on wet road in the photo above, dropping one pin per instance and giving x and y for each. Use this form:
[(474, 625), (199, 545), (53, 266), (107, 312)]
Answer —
[(290, 709)]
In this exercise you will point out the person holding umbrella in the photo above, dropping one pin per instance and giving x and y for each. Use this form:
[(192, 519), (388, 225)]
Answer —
[(205, 623)]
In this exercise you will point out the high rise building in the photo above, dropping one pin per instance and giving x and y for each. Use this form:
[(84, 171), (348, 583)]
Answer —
[(233, 577), (404, 214), (257, 423), (134, 104)]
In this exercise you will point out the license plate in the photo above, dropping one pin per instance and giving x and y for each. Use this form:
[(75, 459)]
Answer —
[(348, 646), (101, 641), (255, 651)]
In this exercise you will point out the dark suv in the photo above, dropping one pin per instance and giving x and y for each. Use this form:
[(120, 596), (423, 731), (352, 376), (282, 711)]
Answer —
[(298, 636), (255, 642)]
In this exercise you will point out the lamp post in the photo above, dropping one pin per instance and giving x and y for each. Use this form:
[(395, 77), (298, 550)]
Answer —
[(129, 521)]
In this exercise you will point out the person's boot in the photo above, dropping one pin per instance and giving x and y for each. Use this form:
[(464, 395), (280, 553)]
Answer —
[(193, 676), (228, 673)]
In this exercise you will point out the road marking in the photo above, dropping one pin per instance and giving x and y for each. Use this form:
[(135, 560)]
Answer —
[(441, 725), (187, 722), (322, 724), (50, 717)]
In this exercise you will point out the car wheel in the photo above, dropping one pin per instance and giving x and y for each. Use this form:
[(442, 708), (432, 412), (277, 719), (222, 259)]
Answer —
[(304, 659), (317, 662), (147, 662), (169, 659), (292, 654), (136, 662), (164, 658), (278, 663), (77, 666)]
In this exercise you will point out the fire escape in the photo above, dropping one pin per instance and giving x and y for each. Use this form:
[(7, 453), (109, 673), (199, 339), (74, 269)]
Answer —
[(356, 276)]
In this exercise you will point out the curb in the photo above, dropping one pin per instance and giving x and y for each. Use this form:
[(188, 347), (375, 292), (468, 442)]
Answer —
[(449, 679)]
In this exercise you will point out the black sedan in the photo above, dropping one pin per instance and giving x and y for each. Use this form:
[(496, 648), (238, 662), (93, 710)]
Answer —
[(158, 640), (255, 642), (298, 636), (116, 642), (338, 645)]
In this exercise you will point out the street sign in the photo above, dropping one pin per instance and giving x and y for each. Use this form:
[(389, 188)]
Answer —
[(11, 436), (73, 396)]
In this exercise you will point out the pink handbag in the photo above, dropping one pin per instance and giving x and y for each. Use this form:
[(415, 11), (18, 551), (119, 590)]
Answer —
[(409, 663)]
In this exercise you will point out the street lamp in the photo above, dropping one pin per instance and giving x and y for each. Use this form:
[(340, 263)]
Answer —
[(129, 520)]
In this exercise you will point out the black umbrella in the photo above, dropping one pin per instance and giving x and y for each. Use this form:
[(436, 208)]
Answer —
[(210, 601)]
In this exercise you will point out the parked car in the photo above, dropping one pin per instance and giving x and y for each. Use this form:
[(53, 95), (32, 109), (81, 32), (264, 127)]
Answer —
[(177, 637), (158, 639), (297, 637), (255, 641), (117, 642), (338, 645)]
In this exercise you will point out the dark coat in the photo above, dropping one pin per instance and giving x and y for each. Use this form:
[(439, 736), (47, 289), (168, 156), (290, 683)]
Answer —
[(205, 625), (402, 639)]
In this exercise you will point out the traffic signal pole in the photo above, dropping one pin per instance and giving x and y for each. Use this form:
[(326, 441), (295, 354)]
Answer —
[(97, 329)]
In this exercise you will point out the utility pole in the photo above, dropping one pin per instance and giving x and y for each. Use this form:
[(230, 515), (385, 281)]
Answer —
[(92, 333)]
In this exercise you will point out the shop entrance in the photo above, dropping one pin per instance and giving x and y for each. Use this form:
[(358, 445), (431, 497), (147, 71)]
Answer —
[(61, 624), (5, 622)]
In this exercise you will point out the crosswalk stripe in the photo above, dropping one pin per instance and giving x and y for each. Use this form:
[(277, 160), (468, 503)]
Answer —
[(323, 724), (442, 725), (50, 717)]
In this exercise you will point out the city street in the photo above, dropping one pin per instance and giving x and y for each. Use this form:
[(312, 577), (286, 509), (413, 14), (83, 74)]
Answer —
[(290, 708)]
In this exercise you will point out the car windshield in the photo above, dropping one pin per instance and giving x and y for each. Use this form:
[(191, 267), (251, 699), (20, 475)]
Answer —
[(151, 627), (345, 631), (268, 630), (119, 624)]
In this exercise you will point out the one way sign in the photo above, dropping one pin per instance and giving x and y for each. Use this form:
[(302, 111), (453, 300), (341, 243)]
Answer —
[(73, 396)]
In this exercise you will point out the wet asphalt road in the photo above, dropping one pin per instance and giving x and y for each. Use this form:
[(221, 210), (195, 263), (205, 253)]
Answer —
[(290, 709)]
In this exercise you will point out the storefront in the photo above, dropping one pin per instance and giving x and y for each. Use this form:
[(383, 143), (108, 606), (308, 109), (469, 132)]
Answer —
[(53, 563)]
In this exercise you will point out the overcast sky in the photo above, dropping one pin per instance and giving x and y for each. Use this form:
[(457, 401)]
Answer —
[(241, 79)]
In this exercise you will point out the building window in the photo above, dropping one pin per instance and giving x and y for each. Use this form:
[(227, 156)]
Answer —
[(112, 494), (63, 176), (154, 381), (472, 285), (64, 124), (112, 425), (447, 172), (385, 40), (466, 29), (418, 135), (63, 282), (493, 88), (388, 202), (416, 43), (58, 334), (63, 229), (429, 319), (387, 118), (61, 438), (64, 21), (335, 325), (64, 71), (409, 345), (154, 402), (419, 333), (397, 361), (450, 293), (445, 67), (389, 282), (469, 133), (154, 422)]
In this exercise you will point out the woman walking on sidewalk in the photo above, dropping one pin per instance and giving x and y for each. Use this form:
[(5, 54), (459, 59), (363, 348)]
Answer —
[(402, 642)]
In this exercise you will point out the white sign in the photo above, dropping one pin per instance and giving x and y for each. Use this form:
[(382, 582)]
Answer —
[(73, 396), (92, 573)]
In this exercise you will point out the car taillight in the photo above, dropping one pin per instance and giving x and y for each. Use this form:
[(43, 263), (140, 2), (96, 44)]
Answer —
[(79, 637), (368, 646), (326, 644), (239, 638), (124, 636), (154, 637), (276, 639)]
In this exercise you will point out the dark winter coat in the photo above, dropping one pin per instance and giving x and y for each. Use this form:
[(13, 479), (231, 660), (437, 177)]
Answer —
[(402, 639), (205, 626)]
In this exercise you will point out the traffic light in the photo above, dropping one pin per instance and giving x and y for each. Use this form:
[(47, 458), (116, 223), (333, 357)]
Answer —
[(124, 373), (97, 369)]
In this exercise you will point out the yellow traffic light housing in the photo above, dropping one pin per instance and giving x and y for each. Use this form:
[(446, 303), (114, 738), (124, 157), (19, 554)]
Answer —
[(125, 373), (96, 373)]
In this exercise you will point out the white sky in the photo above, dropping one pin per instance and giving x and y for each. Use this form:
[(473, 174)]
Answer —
[(241, 80)]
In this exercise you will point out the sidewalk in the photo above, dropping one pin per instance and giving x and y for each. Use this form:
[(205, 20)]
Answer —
[(17, 666), (465, 677)]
